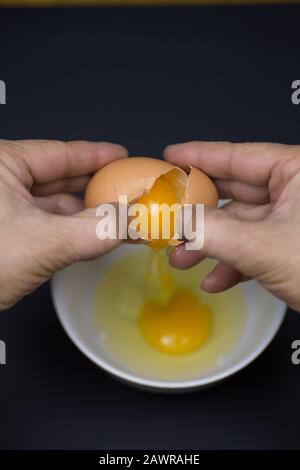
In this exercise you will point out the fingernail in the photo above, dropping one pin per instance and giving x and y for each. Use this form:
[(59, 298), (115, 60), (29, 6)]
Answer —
[(170, 146), (208, 283)]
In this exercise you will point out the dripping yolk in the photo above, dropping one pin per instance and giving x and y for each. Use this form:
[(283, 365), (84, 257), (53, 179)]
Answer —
[(162, 192), (181, 326)]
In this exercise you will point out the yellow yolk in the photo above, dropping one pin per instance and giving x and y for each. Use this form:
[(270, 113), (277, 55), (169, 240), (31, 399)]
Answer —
[(160, 281), (179, 327), (173, 321), (162, 192)]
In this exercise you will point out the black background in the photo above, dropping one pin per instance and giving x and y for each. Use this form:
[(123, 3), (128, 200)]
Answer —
[(144, 78)]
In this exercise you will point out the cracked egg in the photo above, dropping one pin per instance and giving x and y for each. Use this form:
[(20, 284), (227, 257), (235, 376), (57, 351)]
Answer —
[(150, 181)]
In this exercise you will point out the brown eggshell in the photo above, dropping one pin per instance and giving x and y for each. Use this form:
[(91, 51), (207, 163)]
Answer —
[(131, 177), (200, 189), (134, 176)]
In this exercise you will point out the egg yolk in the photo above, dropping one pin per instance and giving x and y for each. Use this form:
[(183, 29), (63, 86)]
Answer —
[(179, 327), (162, 192), (160, 281)]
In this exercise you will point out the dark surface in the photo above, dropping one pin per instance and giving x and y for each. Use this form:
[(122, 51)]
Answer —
[(144, 78)]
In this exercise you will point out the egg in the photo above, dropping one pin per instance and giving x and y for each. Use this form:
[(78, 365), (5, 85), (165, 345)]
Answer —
[(179, 327), (188, 335), (171, 319), (150, 181)]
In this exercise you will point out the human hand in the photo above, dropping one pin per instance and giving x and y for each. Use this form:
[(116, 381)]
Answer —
[(43, 228), (257, 235)]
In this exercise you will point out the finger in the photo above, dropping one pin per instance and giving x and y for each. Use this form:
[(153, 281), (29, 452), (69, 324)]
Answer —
[(249, 163), (77, 237), (71, 185), (48, 160), (244, 211), (242, 244), (65, 204), (221, 278), (230, 189), (181, 258)]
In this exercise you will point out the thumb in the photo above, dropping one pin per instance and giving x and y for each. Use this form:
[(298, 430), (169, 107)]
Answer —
[(244, 245), (75, 238)]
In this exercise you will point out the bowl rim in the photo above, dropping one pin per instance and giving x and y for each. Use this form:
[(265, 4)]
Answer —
[(200, 382)]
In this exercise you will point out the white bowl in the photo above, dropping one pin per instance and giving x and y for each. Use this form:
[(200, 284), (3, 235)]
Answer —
[(73, 292)]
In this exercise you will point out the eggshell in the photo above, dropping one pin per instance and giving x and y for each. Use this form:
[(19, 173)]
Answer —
[(200, 189), (134, 176), (129, 176)]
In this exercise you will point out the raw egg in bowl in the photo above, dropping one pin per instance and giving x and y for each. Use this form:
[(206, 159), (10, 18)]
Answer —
[(100, 304)]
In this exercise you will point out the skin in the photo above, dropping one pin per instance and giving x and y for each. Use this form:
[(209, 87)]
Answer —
[(43, 227), (257, 235)]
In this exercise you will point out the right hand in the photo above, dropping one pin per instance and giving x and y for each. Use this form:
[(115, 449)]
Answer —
[(257, 235)]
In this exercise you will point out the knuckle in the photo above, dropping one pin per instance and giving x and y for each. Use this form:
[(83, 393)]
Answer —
[(282, 173)]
